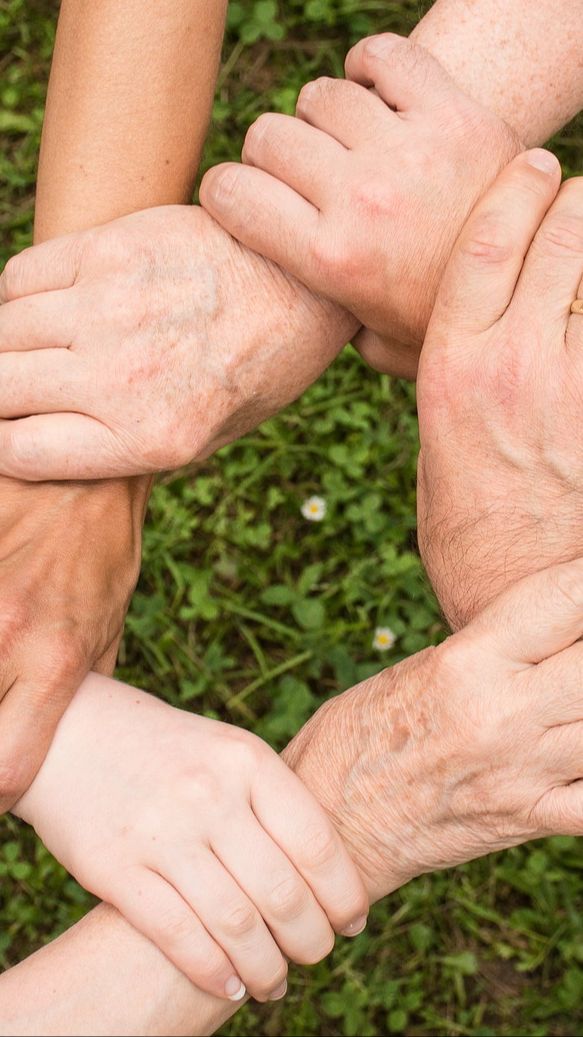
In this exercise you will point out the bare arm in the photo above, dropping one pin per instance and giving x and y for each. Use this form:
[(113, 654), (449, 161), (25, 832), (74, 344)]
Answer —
[(128, 107), (103, 977), (523, 61)]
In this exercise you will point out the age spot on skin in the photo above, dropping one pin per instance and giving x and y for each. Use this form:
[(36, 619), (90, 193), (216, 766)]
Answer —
[(400, 735)]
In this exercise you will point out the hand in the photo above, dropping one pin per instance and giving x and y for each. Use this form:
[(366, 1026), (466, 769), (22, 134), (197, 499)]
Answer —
[(69, 561), (362, 195), (500, 393), (199, 834), (148, 343), (464, 749)]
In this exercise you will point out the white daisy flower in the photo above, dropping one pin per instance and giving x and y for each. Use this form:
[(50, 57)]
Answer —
[(314, 509), (383, 639)]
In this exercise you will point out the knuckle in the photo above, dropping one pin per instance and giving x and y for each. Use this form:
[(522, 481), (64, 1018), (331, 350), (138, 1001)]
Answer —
[(331, 258), (562, 234), (567, 583), (323, 947), (176, 929), (260, 132), (319, 847), (240, 920), (12, 277), (210, 971), (13, 622), (287, 899), (488, 241), (451, 659), (15, 777), (314, 93), (373, 197)]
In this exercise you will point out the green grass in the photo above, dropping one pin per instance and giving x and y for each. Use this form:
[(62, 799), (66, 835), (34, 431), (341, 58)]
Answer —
[(247, 612)]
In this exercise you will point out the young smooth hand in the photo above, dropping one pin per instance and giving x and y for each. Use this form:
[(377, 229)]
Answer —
[(199, 834), (500, 392), (362, 195)]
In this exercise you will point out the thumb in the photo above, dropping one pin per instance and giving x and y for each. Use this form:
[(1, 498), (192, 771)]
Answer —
[(387, 355), (483, 270), (536, 618)]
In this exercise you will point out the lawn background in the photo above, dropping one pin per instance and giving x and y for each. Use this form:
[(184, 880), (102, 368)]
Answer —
[(246, 612)]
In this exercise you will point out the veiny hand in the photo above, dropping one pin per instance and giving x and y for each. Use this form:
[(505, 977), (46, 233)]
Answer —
[(363, 194), (464, 749), (69, 561), (501, 393), (148, 343), (199, 834)]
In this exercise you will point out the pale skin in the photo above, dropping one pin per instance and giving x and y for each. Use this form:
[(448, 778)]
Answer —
[(469, 747), (71, 555), (177, 821), (522, 73)]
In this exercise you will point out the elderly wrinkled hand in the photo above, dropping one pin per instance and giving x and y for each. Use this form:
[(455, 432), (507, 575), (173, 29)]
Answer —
[(148, 343), (464, 749), (362, 195), (500, 392)]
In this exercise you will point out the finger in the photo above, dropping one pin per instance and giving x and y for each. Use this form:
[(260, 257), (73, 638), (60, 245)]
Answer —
[(45, 321), (345, 111), (63, 446), (231, 918), (39, 382), (43, 268), (562, 810), (107, 662), (404, 74), (559, 683), (552, 271), (29, 713), (281, 895), (308, 838), (302, 157), (264, 214), (399, 359), (157, 910), (482, 272), (536, 618)]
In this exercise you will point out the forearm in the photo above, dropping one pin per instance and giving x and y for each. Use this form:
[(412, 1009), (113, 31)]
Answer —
[(103, 977), (128, 106), (522, 61)]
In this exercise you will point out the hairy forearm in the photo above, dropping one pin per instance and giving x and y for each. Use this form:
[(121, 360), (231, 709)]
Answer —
[(128, 106), (520, 60)]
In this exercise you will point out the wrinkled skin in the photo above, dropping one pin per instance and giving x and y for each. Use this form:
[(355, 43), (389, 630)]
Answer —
[(69, 562), (363, 194), (462, 749), (500, 392), (148, 343)]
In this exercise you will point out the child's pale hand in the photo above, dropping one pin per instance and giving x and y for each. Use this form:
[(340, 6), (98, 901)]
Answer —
[(199, 834)]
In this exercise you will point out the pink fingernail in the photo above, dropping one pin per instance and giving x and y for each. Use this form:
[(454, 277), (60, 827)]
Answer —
[(356, 927), (279, 992), (543, 160), (235, 989)]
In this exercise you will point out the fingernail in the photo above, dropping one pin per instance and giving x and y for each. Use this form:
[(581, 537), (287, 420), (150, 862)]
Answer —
[(379, 46), (279, 992), (543, 160), (223, 185), (356, 927), (235, 989)]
